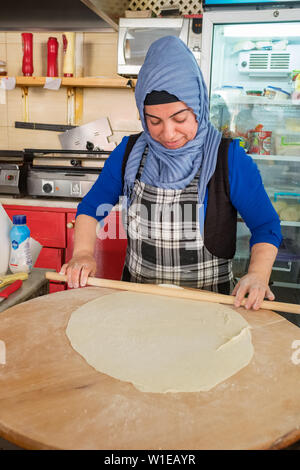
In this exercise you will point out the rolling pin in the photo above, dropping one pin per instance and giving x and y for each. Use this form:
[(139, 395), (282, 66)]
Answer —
[(191, 294)]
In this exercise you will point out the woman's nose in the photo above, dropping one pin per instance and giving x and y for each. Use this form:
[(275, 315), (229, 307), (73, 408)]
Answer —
[(169, 131)]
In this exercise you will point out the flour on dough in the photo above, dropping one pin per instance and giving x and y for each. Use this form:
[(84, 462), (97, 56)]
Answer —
[(161, 344)]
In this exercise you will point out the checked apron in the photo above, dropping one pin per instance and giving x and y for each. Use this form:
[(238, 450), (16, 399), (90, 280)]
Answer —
[(165, 244)]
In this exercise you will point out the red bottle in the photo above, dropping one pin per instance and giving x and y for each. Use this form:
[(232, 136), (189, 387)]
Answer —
[(27, 65), (52, 69)]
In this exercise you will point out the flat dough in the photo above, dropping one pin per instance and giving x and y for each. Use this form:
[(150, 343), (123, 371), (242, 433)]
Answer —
[(161, 344)]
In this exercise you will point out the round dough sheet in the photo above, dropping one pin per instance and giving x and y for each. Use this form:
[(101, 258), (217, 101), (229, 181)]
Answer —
[(161, 344)]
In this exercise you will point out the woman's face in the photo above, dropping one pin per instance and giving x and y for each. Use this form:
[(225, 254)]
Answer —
[(171, 124)]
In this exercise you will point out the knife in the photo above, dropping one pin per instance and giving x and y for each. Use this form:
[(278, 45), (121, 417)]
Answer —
[(10, 289), (43, 127)]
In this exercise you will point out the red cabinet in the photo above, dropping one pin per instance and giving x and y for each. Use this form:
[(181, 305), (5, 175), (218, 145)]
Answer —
[(70, 222), (47, 227), (51, 258), (54, 228), (110, 249)]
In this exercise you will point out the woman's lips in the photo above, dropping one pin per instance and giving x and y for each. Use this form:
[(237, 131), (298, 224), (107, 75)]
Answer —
[(174, 144)]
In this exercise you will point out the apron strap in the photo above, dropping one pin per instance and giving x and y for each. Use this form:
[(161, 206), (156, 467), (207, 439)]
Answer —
[(131, 141)]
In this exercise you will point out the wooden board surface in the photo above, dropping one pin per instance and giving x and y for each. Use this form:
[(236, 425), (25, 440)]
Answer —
[(50, 398)]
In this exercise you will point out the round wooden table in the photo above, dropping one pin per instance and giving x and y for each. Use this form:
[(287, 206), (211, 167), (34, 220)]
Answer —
[(50, 398)]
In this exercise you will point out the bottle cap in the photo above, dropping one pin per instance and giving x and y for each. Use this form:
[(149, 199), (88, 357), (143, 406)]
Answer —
[(19, 219)]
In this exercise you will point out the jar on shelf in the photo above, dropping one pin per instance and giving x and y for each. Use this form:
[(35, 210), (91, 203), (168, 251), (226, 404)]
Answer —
[(275, 93), (295, 76), (260, 141)]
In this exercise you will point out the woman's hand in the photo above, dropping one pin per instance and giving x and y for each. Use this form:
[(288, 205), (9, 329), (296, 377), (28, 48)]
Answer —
[(255, 282), (78, 269), (83, 263), (256, 288)]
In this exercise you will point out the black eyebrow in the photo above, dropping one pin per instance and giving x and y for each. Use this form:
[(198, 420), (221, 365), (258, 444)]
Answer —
[(172, 115)]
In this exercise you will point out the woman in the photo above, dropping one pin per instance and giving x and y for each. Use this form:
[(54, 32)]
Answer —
[(183, 185)]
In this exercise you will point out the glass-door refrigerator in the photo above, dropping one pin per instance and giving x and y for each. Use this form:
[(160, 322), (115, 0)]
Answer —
[(250, 60)]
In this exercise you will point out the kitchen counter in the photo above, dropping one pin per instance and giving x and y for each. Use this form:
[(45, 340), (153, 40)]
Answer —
[(39, 201), (65, 203), (34, 286)]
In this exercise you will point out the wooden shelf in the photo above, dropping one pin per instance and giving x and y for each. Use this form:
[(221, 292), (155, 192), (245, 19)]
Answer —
[(81, 82), (73, 87)]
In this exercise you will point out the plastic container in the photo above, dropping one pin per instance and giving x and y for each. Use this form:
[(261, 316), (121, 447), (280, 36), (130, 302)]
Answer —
[(287, 143), (274, 93), (243, 122), (228, 92), (254, 92), (20, 254)]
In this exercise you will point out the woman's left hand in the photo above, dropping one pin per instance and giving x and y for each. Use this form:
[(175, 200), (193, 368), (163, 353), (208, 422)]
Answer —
[(256, 288)]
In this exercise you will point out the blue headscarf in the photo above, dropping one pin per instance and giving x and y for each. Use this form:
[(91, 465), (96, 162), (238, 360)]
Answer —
[(170, 66)]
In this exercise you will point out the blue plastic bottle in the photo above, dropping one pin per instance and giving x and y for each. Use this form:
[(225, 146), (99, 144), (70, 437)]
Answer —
[(20, 254)]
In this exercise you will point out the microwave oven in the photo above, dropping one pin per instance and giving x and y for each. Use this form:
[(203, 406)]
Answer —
[(137, 34)]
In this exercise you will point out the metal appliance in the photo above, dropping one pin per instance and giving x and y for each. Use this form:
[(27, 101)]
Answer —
[(13, 173), (63, 173), (137, 34)]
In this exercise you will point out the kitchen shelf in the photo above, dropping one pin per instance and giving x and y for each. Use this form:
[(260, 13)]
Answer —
[(80, 82), (73, 86)]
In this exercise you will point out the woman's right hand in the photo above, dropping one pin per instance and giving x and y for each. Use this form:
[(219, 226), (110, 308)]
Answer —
[(78, 269)]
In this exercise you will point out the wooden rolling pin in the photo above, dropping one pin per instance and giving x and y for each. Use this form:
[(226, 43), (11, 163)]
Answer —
[(192, 294)]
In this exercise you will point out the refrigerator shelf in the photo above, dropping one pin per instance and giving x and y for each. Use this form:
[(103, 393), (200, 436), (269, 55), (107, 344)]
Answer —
[(284, 223), (284, 257), (254, 101), (287, 223), (284, 158)]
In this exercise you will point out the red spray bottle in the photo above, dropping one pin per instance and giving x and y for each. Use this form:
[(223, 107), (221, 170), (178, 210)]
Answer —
[(52, 46), (27, 65)]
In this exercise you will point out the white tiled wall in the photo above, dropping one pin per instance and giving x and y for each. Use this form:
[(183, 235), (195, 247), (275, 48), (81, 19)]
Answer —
[(50, 107)]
